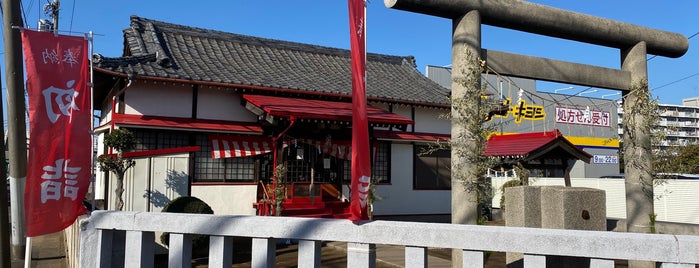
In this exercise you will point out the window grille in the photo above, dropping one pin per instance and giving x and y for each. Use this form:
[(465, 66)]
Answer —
[(381, 168), (237, 169)]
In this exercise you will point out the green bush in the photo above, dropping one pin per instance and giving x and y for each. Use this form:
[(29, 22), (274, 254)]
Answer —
[(509, 183), (189, 204)]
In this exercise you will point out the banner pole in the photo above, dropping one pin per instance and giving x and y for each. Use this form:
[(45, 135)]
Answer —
[(28, 253), (91, 44)]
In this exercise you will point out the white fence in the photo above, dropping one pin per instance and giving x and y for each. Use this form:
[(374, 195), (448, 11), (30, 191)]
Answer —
[(100, 233), (675, 200)]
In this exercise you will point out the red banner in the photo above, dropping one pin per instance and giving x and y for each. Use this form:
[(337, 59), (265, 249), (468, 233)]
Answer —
[(59, 166), (361, 167)]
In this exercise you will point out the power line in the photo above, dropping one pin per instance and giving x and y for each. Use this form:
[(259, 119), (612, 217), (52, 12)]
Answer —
[(695, 34), (676, 81), (72, 14), (24, 13)]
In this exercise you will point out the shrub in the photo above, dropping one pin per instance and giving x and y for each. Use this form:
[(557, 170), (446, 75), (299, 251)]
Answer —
[(189, 204)]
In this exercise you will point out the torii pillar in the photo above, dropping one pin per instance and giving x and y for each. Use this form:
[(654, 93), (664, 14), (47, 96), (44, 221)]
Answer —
[(466, 39)]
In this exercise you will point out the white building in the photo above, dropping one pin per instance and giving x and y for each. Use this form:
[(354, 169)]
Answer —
[(681, 122)]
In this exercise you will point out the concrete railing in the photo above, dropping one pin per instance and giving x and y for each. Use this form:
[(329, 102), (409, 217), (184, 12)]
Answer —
[(134, 231)]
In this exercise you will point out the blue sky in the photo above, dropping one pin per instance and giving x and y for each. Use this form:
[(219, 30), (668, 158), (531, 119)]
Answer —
[(394, 32)]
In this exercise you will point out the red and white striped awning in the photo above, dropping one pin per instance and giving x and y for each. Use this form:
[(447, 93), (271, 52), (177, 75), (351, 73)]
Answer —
[(227, 146)]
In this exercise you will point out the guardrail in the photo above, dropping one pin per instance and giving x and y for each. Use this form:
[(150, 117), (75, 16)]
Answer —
[(99, 235)]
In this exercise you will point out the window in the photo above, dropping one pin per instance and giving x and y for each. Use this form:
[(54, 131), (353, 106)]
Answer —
[(431, 171), (382, 163), (381, 171), (236, 169), (155, 140), (206, 169), (300, 158)]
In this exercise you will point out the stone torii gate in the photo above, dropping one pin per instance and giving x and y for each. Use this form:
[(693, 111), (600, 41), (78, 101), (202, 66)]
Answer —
[(634, 43)]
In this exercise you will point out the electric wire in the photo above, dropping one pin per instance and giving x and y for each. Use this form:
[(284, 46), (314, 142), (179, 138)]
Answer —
[(568, 97), (681, 79), (72, 14), (24, 14), (676, 81)]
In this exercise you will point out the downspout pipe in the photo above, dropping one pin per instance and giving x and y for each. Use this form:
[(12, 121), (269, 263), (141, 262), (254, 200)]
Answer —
[(112, 124), (275, 146)]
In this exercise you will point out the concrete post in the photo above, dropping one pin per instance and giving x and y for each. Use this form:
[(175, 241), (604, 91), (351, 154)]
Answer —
[(637, 147), (140, 249), (466, 39), (263, 252), (361, 255), (220, 251), (309, 253)]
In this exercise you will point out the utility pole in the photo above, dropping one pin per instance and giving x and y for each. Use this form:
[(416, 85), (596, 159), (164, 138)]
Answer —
[(4, 216), (52, 8), (17, 133)]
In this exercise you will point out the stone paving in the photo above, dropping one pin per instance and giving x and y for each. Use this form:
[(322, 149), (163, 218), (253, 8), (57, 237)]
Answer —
[(48, 251)]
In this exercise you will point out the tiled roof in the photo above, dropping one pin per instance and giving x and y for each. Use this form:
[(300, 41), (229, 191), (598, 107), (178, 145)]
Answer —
[(529, 146), (165, 50)]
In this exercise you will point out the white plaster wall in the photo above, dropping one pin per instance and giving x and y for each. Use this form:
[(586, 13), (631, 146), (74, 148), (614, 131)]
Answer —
[(99, 184), (135, 185), (222, 104), (429, 121), (160, 99), (152, 182), (169, 179), (106, 114), (676, 201), (404, 111), (399, 198), (227, 199)]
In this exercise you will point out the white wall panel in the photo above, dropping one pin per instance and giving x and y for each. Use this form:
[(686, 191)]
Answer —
[(227, 199), (428, 120), (169, 180), (152, 182), (159, 100), (135, 184), (100, 181), (400, 198), (676, 201), (220, 104)]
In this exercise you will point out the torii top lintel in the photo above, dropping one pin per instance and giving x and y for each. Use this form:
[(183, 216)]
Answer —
[(554, 22)]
